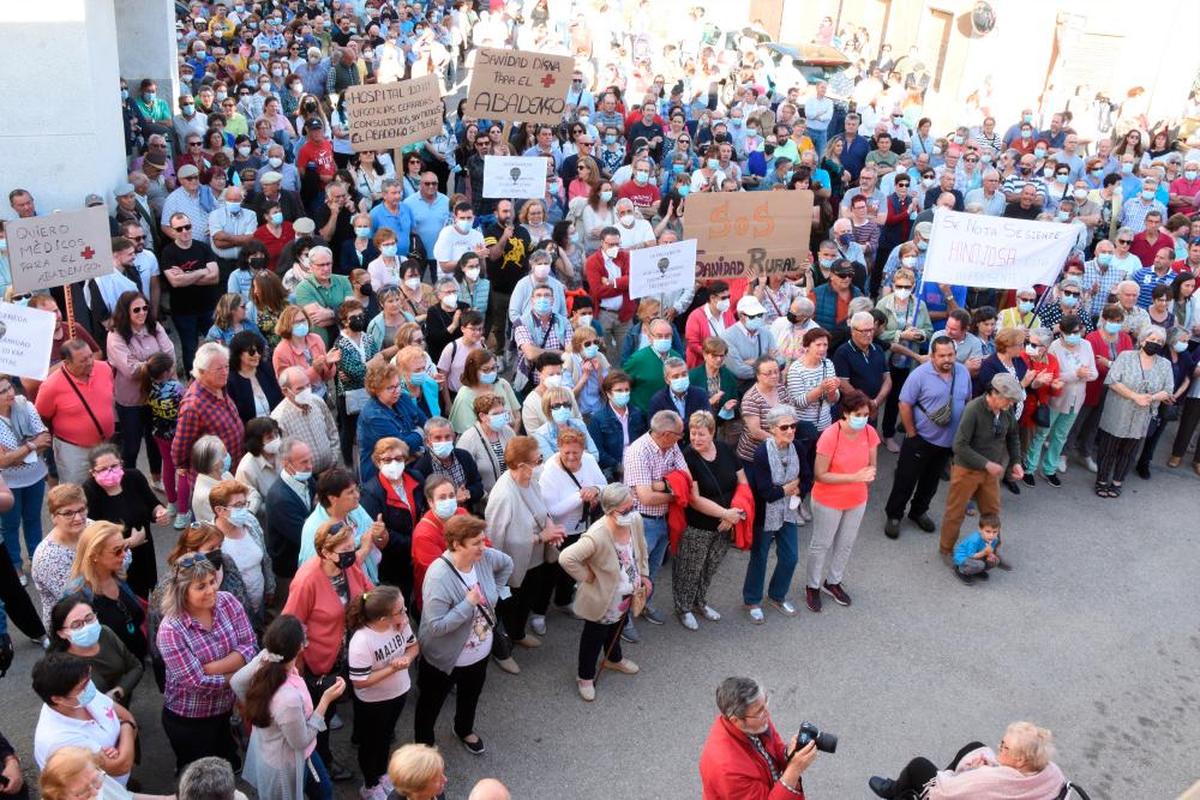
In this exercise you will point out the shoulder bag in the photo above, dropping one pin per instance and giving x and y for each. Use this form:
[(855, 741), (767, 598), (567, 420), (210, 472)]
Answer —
[(943, 415), (501, 643)]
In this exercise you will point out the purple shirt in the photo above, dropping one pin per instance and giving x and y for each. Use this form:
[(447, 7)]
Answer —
[(186, 647), (926, 391)]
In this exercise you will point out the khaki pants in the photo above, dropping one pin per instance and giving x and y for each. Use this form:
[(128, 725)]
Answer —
[(965, 484), (72, 462)]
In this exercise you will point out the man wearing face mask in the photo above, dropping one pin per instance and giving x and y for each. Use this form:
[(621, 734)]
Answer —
[(272, 192), (290, 501), (1185, 189), (305, 417), (188, 122), (1159, 273), (748, 340), (314, 72), (442, 458), (679, 395), (540, 330), (539, 277), (643, 195), (457, 237), (289, 175), (634, 230), (231, 227), (607, 275), (711, 319)]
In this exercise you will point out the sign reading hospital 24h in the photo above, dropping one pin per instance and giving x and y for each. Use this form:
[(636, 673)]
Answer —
[(519, 86), (60, 248)]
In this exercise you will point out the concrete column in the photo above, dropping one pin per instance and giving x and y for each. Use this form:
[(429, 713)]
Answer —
[(61, 135), (147, 46)]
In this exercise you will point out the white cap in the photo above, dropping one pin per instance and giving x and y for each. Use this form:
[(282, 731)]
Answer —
[(750, 306)]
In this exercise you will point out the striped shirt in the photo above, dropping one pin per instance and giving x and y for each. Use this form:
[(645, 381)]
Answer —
[(800, 381)]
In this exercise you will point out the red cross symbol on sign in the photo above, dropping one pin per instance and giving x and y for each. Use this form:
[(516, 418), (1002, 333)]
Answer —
[(549, 80), (87, 253)]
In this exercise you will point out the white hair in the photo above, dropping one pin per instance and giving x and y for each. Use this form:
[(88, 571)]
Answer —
[(205, 355)]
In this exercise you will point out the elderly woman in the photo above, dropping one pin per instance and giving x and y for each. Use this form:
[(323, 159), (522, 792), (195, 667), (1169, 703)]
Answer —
[(54, 556), (71, 773), (417, 772), (779, 475), (1019, 769), (337, 502), (75, 630), (213, 464), (711, 516), (1076, 367), (844, 469), (1068, 299), (765, 394), (417, 381), (716, 379), (1044, 385), (1183, 366), (384, 328), (584, 370), (1021, 315), (245, 545), (135, 335), (429, 540), (388, 412), (458, 619), (611, 565), (252, 384), (124, 496), (300, 347), (906, 333), (1137, 381), (205, 637), (1109, 340), (98, 573), (385, 270), (357, 350), (23, 438), (811, 383), (480, 376), (259, 467), (560, 415), (521, 527), (488, 437), (395, 497)]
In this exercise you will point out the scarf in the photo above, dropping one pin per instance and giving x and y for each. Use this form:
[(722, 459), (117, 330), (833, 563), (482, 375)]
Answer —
[(784, 468)]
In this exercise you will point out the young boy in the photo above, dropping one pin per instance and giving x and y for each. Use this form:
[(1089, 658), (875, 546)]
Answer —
[(979, 552)]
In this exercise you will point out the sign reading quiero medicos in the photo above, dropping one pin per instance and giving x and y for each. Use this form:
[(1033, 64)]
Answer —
[(59, 248)]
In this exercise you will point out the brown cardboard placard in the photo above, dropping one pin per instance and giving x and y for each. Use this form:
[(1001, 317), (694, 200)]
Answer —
[(519, 86), (384, 116), (746, 233), (59, 248)]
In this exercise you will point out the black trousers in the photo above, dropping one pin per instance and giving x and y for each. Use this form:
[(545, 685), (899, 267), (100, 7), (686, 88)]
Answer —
[(17, 605), (432, 687), (374, 730), (134, 422), (596, 640), (564, 584), (194, 738), (891, 406), (921, 770), (532, 596), (315, 690), (1114, 454), (347, 430), (917, 474), (1188, 419), (1153, 434)]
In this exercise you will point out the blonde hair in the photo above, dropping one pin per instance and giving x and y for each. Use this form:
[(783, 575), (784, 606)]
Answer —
[(413, 766), (329, 536), (288, 319), (62, 768), (702, 419), (388, 443), (91, 542), (905, 273), (174, 596), (1029, 744), (556, 395)]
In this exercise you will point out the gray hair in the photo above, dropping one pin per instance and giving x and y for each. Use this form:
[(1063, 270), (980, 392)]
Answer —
[(804, 305), (1178, 332), (862, 318), (613, 496), (736, 695), (778, 414), (287, 444), (673, 363), (1152, 330), (990, 173), (178, 580), (208, 452), (1033, 745), (388, 183), (208, 778), (858, 305), (1127, 285), (435, 423), (445, 283), (538, 257), (1069, 283), (660, 321), (319, 250), (665, 420), (205, 354), (1041, 335), (1123, 231), (285, 377)]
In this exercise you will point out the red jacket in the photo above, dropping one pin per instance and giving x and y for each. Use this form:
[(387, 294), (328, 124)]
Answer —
[(732, 769), (595, 273), (681, 491), (698, 328)]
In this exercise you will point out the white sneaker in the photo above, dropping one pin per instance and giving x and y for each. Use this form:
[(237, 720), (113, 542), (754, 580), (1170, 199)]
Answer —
[(1062, 464), (182, 520), (587, 689), (1091, 464), (538, 623), (171, 511), (710, 614), (756, 615), (688, 620)]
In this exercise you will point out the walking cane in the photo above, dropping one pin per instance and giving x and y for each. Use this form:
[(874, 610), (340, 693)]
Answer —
[(616, 638)]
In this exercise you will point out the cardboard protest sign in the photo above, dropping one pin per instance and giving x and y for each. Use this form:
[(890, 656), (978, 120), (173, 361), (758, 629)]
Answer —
[(384, 116), (26, 335), (662, 269), (995, 252), (518, 177), (519, 86), (59, 248), (745, 233)]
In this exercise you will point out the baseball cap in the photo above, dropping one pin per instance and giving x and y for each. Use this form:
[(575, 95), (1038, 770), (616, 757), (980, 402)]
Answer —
[(750, 306), (93, 200), (123, 189)]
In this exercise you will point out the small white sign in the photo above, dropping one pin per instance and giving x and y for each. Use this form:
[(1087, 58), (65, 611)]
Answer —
[(515, 177), (59, 248), (26, 335), (662, 269)]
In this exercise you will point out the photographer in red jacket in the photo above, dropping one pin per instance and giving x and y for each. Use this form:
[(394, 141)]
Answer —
[(744, 757)]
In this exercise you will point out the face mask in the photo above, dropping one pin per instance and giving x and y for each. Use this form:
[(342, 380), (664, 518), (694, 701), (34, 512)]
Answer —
[(541, 305), (1112, 328), (1147, 195), (610, 139), (362, 233), (606, 196), (88, 694), (277, 218), (240, 516), (1104, 259), (272, 447), (625, 520), (1048, 172), (149, 97), (300, 329), (937, 150), (1025, 306), (86, 636), (541, 272), (1039, 152), (627, 220), (301, 477), (226, 463), (677, 168), (442, 449), (412, 283), (346, 560), (1127, 167), (723, 305), (1070, 301), (1063, 216), (909, 261), (187, 110), (488, 377), (233, 207), (585, 320), (1096, 173), (927, 183), (903, 294), (712, 163), (844, 239), (445, 508), (1181, 347), (124, 94), (450, 302), (857, 423), (215, 557), (591, 350), (680, 385), (304, 396), (1072, 339), (471, 273), (1031, 350), (358, 323), (754, 324), (498, 422), (462, 225), (1080, 195), (560, 415), (111, 477), (1152, 348), (641, 176), (221, 96), (552, 381), (620, 399), (661, 345), (922, 246), (1026, 134)]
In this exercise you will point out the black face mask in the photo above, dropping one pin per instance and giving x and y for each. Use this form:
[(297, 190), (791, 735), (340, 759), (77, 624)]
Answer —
[(367, 290), (1152, 348), (346, 560), (257, 262), (793, 318), (215, 557), (357, 323)]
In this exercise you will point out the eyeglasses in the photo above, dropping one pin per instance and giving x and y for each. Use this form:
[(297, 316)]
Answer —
[(429, 183), (1124, 241), (971, 160), (193, 144), (189, 178), (79, 624), (863, 330), (71, 513)]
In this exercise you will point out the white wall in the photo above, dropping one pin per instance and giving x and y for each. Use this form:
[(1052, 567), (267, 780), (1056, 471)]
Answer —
[(147, 45)]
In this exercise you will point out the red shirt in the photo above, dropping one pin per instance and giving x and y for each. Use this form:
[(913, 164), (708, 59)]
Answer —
[(646, 196), (1145, 251), (274, 246), (1184, 188), (66, 415), (320, 153)]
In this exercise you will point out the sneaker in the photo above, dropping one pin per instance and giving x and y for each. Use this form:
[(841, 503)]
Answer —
[(528, 641), (171, 512), (651, 615), (1012, 486), (784, 607), (882, 787), (981, 576), (756, 615), (630, 634), (336, 723), (892, 445), (891, 529), (182, 520), (1054, 481), (475, 748), (1062, 464), (967, 579), (925, 523), (624, 666), (508, 665), (371, 792), (836, 591), (1091, 464), (972, 509), (1028, 479), (587, 689), (812, 599), (537, 622), (688, 620), (710, 614), (1142, 470)]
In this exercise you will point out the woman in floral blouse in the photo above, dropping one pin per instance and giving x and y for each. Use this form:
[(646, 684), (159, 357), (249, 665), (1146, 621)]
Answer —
[(356, 349)]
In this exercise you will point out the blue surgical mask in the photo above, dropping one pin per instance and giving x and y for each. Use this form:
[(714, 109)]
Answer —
[(1025, 306), (683, 189), (1127, 167), (442, 449), (922, 245), (606, 196), (488, 377), (226, 463), (1039, 152), (498, 422), (620, 399), (1181, 346), (445, 508), (88, 694), (680, 385), (1104, 259), (1063, 216), (362, 233), (754, 324), (300, 329), (857, 423), (712, 163), (302, 477), (277, 218), (388, 250), (541, 305), (725, 413), (610, 138), (661, 345), (89, 634), (1147, 194), (1070, 300), (591, 350), (1072, 338), (1112, 328), (233, 207), (677, 168), (641, 176), (240, 517), (560, 415)]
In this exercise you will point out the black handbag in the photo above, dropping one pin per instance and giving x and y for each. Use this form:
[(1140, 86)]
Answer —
[(1041, 416)]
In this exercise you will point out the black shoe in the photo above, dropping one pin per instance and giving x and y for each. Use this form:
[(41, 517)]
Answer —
[(882, 787), (1027, 478), (982, 576), (1143, 471), (475, 747), (1012, 486), (967, 579), (1054, 481), (924, 522), (891, 529), (946, 472), (337, 772)]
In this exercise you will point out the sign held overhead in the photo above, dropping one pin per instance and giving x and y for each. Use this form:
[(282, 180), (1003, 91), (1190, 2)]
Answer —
[(519, 86), (384, 116), (662, 269), (60, 248), (518, 177), (749, 233)]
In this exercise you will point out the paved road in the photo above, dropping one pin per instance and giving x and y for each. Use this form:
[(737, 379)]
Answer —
[(1094, 635)]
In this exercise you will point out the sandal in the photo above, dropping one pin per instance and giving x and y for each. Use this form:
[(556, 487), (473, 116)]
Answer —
[(1101, 490), (1114, 490)]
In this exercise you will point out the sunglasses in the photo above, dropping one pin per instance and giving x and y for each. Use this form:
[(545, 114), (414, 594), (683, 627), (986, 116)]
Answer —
[(1124, 241), (788, 426), (139, 310), (182, 228), (559, 405)]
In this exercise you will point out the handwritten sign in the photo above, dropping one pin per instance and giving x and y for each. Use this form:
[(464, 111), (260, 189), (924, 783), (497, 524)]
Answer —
[(995, 252), (59, 248), (26, 335), (663, 269), (517, 177), (519, 86), (383, 116), (745, 233)]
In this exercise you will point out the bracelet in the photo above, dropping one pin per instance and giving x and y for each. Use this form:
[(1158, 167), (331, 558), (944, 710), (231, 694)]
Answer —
[(130, 723), (793, 789)]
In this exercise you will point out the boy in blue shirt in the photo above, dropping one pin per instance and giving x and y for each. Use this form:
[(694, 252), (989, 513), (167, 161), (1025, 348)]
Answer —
[(974, 555)]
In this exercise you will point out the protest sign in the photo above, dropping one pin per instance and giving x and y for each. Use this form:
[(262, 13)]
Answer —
[(26, 335), (995, 252), (746, 233), (662, 269), (383, 116), (519, 86), (514, 176), (60, 248)]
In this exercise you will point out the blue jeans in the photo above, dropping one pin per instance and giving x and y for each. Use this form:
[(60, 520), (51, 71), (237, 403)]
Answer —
[(786, 556), (819, 138), (320, 788), (27, 509), (656, 542), (190, 328)]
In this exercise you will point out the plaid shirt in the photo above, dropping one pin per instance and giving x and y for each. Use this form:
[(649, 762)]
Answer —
[(202, 413), (644, 463), (315, 426), (553, 335), (1100, 284), (186, 647)]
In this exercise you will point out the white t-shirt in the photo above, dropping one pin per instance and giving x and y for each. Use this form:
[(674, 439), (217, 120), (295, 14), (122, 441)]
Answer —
[(248, 556), (479, 642), (614, 274), (639, 233), (371, 650), (54, 730), (451, 244)]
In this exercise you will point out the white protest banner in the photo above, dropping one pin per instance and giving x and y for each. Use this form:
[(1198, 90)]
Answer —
[(383, 116), (26, 335), (662, 269), (995, 252), (518, 177), (59, 248)]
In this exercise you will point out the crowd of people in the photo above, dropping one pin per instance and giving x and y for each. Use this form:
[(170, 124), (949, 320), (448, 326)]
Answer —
[(404, 431)]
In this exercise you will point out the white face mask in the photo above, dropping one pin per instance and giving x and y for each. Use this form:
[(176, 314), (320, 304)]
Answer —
[(450, 301), (472, 273), (627, 220), (903, 294), (611, 252), (272, 447), (541, 271), (413, 283), (552, 381), (392, 470), (304, 396)]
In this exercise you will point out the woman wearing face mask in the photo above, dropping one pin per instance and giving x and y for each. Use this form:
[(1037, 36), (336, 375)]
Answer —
[(300, 347), (259, 467), (560, 415), (1068, 299), (394, 496), (1108, 341), (387, 269), (1021, 315), (357, 350), (481, 376), (907, 331), (766, 393), (124, 496), (532, 217), (246, 548), (443, 321), (475, 288), (709, 177), (338, 499), (275, 233), (1183, 369), (416, 297), (595, 213), (488, 437), (1044, 385), (1077, 366), (612, 152), (213, 464), (429, 538), (584, 370), (115, 671)]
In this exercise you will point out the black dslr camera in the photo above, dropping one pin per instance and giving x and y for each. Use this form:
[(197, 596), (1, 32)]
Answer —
[(826, 742)]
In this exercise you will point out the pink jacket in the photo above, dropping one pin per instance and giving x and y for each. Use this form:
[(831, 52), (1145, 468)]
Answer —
[(284, 357), (129, 358), (698, 329)]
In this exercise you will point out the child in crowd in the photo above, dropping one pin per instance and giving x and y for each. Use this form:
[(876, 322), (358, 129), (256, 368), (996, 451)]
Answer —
[(165, 396), (974, 555)]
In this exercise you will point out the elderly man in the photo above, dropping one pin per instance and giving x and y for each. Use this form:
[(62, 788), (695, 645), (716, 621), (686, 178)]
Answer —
[(190, 199), (818, 111), (679, 395), (489, 789), (749, 339), (231, 227), (129, 209), (1136, 317), (1026, 205), (1159, 273), (607, 274), (634, 230), (1136, 208), (76, 404), (645, 366), (314, 72), (868, 188), (289, 502), (290, 176), (304, 416), (209, 778), (322, 293), (862, 364), (206, 409), (646, 464), (1100, 277), (190, 267), (441, 457), (188, 122), (273, 193), (988, 196)]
